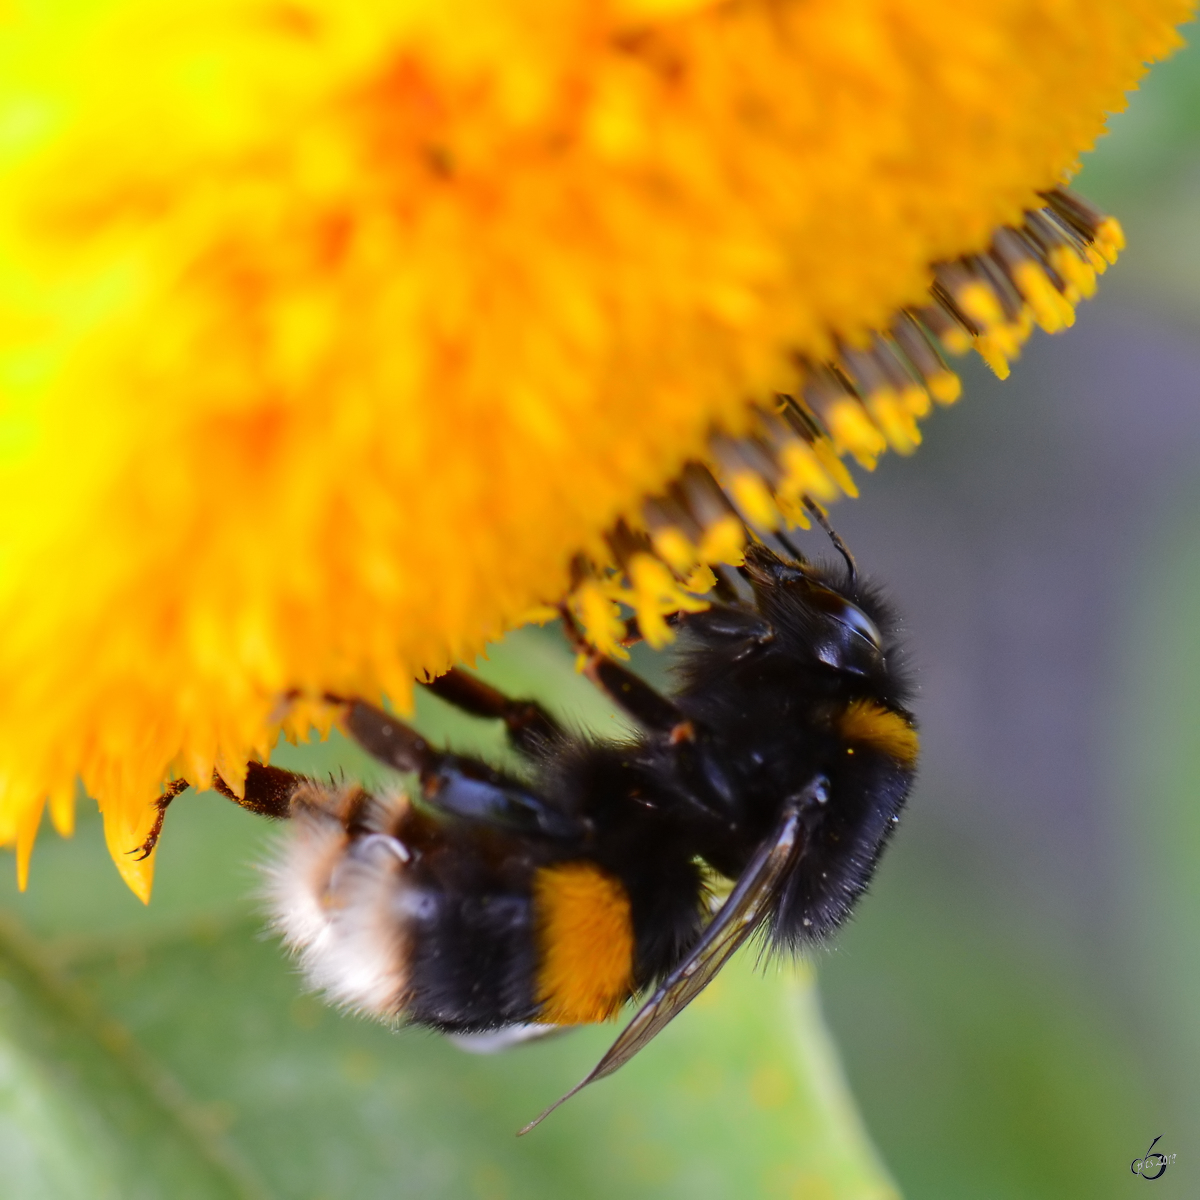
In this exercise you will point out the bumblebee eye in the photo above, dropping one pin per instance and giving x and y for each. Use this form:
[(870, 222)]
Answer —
[(850, 640), (847, 614), (854, 618)]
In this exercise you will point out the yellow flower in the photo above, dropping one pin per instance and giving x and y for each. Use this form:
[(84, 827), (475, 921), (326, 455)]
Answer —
[(334, 337)]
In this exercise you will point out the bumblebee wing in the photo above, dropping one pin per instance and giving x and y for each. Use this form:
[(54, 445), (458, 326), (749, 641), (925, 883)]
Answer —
[(741, 914)]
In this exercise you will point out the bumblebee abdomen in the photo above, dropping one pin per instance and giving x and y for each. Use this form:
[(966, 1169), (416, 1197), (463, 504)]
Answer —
[(559, 952), (472, 962), (398, 916), (585, 943)]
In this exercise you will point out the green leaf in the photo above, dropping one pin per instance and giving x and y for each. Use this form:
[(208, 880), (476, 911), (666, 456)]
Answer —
[(84, 1112)]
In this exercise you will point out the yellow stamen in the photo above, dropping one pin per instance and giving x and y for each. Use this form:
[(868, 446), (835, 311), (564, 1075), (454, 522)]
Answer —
[(600, 618), (855, 433), (656, 594), (675, 549), (724, 541), (945, 386), (753, 497)]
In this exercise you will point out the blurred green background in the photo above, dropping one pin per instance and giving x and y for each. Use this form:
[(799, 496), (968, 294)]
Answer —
[(1017, 1005)]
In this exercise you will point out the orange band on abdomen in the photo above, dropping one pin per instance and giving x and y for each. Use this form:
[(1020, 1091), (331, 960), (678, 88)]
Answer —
[(585, 943)]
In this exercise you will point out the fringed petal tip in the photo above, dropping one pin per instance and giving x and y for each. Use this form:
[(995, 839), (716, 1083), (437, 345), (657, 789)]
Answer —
[(126, 827)]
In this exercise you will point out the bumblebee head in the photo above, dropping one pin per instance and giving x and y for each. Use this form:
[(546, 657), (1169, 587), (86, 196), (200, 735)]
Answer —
[(820, 613), (852, 641)]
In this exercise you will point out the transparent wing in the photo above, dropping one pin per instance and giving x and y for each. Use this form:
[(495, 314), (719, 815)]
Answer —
[(741, 914)]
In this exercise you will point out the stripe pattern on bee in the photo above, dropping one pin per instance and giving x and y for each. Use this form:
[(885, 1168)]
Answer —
[(401, 914), (492, 899)]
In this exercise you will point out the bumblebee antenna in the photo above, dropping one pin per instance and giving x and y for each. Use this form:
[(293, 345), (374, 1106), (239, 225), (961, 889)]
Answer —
[(819, 515)]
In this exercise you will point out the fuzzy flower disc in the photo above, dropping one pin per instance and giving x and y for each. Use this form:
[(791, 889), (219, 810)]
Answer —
[(330, 332)]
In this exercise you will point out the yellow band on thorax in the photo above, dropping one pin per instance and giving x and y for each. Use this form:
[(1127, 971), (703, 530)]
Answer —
[(872, 725)]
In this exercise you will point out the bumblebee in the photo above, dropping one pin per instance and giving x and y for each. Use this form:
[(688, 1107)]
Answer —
[(549, 898)]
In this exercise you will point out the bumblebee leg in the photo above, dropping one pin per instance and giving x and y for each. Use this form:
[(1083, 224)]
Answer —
[(268, 791), (456, 784), (530, 727), (732, 624), (632, 693), (162, 804), (391, 741)]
